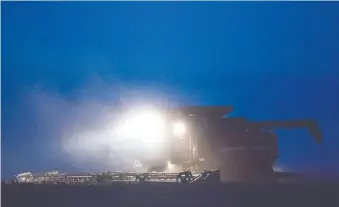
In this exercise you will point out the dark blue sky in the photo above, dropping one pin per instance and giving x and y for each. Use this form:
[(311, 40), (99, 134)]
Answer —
[(269, 60)]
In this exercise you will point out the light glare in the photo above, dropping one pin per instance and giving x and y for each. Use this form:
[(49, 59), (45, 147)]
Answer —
[(179, 129), (148, 127)]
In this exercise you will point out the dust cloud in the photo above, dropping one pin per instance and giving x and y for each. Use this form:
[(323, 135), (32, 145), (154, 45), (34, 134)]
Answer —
[(82, 121)]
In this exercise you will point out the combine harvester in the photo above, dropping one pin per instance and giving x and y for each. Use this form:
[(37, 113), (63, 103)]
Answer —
[(203, 145)]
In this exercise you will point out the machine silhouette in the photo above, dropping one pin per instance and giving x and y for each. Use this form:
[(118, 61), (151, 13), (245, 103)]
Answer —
[(241, 149)]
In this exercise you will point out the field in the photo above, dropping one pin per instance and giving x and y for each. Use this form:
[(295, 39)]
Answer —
[(170, 194)]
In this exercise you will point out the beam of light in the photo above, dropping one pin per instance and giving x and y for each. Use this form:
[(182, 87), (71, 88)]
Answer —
[(83, 136), (148, 127), (179, 129)]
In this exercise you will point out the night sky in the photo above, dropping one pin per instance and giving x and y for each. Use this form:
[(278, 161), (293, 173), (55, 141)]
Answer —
[(67, 64)]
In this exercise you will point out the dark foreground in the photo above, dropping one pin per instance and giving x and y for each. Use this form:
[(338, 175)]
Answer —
[(170, 194)]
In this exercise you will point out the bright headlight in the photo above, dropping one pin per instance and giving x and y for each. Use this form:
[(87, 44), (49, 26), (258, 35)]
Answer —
[(146, 126), (179, 129)]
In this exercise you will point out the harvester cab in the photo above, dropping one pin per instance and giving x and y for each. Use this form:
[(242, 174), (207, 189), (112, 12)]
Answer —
[(243, 150)]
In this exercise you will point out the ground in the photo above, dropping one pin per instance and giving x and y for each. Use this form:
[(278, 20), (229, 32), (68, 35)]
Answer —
[(170, 194)]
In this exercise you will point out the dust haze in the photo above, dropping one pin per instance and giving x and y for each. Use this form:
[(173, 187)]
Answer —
[(83, 121)]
